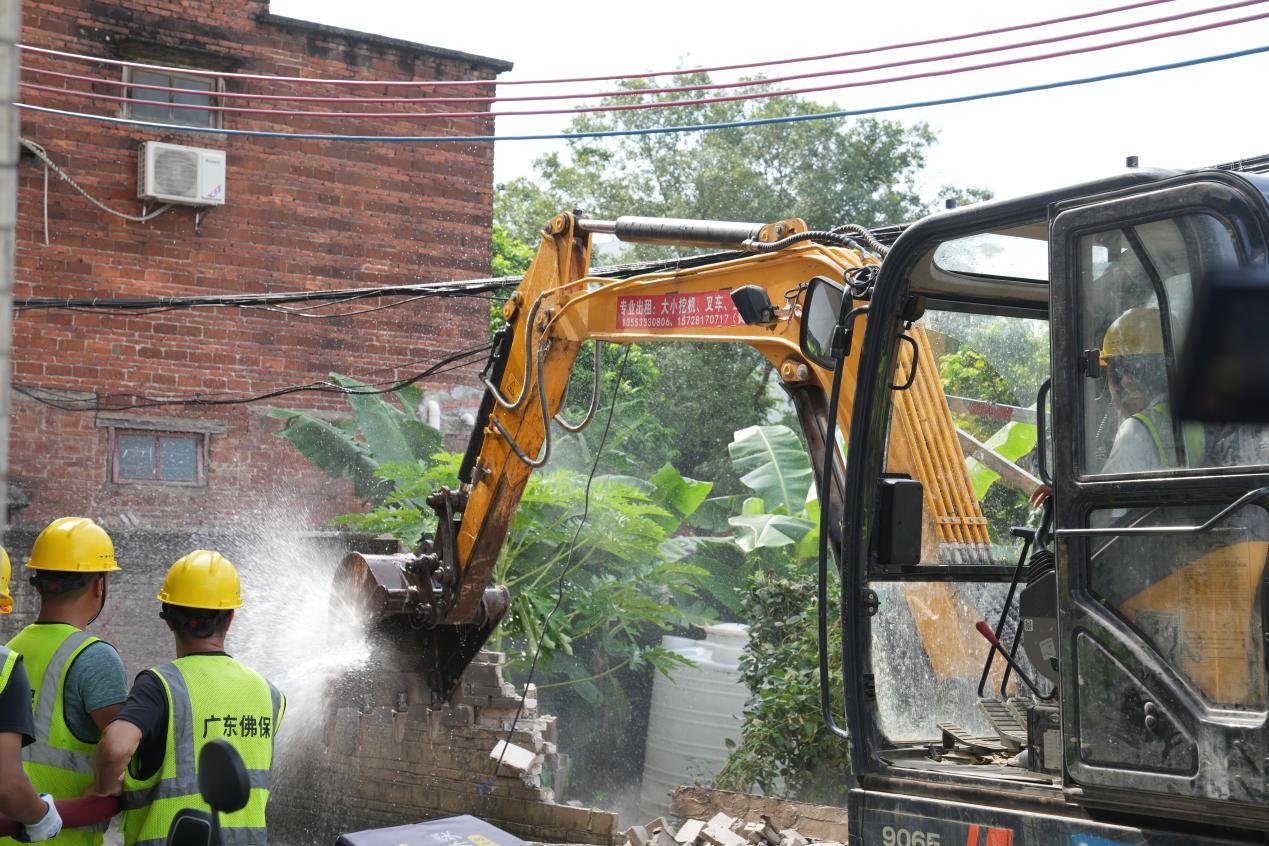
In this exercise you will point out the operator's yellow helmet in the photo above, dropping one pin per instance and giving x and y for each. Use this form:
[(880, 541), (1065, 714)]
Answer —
[(73, 545), (6, 572), (203, 579), (1135, 332)]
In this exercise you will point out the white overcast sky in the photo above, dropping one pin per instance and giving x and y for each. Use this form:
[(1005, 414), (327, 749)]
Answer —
[(1013, 145)]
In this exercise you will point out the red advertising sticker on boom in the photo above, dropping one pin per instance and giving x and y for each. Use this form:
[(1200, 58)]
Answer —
[(677, 311)]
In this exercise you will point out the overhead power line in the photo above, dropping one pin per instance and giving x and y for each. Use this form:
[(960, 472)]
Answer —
[(461, 288), (222, 96), (65, 400), (608, 78), (660, 130), (670, 104)]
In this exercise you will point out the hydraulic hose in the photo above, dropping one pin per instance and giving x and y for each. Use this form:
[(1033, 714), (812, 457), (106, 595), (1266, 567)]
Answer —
[(864, 235), (819, 236)]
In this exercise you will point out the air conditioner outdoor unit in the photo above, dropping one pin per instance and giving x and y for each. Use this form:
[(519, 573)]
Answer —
[(174, 173)]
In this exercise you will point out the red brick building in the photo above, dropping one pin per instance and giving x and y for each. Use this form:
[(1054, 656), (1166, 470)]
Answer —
[(298, 216)]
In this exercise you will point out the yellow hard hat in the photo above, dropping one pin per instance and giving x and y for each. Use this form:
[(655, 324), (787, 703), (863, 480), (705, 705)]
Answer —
[(73, 545), (1135, 332), (6, 571), (202, 579)]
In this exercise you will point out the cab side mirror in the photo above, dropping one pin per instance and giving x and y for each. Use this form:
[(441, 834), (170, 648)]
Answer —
[(224, 785), (222, 777), (1223, 375), (821, 306)]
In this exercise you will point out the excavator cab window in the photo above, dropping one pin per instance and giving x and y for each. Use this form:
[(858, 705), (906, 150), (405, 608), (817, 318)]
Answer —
[(981, 374)]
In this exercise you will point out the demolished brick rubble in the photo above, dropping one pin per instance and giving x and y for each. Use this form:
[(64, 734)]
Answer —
[(719, 830)]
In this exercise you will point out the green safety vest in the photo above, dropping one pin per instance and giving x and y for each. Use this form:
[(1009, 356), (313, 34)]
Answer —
[(58, 762), (208, 697), (1158, 422)]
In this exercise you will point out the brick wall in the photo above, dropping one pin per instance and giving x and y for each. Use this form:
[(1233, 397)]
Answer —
[(384, 757), (300, 215)]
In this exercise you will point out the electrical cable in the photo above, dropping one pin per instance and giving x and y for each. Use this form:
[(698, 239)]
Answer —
[(487, 786), (95, 403), (222, 96), (49, 164), (658, 130), (609, 78), (671, 104), (334, 296)]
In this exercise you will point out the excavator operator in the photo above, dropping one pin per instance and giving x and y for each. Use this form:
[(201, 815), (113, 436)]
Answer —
[(1132, 354)]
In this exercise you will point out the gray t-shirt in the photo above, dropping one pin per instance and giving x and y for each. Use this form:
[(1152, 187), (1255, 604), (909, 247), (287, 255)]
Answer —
[(95, 680)]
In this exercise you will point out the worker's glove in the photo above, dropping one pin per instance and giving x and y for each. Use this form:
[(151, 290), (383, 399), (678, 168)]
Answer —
[(46, 828)]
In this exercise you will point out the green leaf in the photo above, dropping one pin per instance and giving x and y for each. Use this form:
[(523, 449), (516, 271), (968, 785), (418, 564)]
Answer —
[(411, 397), (774, 465), (336, 452), (678, 492), (769, 531), (713, 512), (385, 435), (1011, 441)]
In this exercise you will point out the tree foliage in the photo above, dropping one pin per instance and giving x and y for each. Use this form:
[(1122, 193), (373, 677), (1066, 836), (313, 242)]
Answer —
[(825, 171)]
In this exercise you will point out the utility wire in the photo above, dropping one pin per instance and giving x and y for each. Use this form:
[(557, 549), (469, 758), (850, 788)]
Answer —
[(125, 402), (659, 130), (680, 103), (222, 96), (334, 296), (609, 78)]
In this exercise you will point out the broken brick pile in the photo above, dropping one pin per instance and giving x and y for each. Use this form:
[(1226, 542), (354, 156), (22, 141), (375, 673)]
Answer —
[(719, 830), (386, 758)]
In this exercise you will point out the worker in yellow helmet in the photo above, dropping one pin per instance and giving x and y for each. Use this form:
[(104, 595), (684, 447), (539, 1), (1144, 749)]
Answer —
[(175, 709), (18, 797), (1133, 356), (79, 681)]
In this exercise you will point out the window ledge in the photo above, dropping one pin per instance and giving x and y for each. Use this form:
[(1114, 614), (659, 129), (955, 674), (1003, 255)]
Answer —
[(114, 420)]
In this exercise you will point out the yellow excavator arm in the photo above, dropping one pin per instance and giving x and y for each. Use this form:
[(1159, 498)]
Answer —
[(440, 599)]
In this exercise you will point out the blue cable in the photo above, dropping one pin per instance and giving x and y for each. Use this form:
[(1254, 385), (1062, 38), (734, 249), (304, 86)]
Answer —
[(660, 130)]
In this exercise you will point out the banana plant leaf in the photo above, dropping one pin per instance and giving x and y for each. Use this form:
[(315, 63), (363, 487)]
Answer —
[(774, 465)]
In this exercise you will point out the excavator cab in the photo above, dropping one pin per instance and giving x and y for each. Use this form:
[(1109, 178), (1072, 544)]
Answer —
[(1125, 700)]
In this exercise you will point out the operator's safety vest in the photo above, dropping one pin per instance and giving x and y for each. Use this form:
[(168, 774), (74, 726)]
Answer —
[(208, 697), (58, 762), (1158, 422)]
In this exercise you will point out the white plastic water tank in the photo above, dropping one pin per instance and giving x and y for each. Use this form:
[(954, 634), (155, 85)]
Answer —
[(693, 716)]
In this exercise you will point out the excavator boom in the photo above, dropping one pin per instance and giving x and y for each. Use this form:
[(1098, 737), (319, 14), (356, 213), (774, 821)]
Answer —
[(752, 296)]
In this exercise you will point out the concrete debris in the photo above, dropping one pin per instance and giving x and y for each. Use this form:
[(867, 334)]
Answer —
[(690, 831), (518, 759), (637, 835), (722, 829)]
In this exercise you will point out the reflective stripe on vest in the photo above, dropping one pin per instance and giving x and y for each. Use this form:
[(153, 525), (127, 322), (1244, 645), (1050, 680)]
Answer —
[(58, 763), (8, 660), (233, 692), (1193, 434)]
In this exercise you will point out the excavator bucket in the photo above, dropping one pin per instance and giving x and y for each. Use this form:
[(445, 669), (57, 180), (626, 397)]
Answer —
[(398, 599)]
